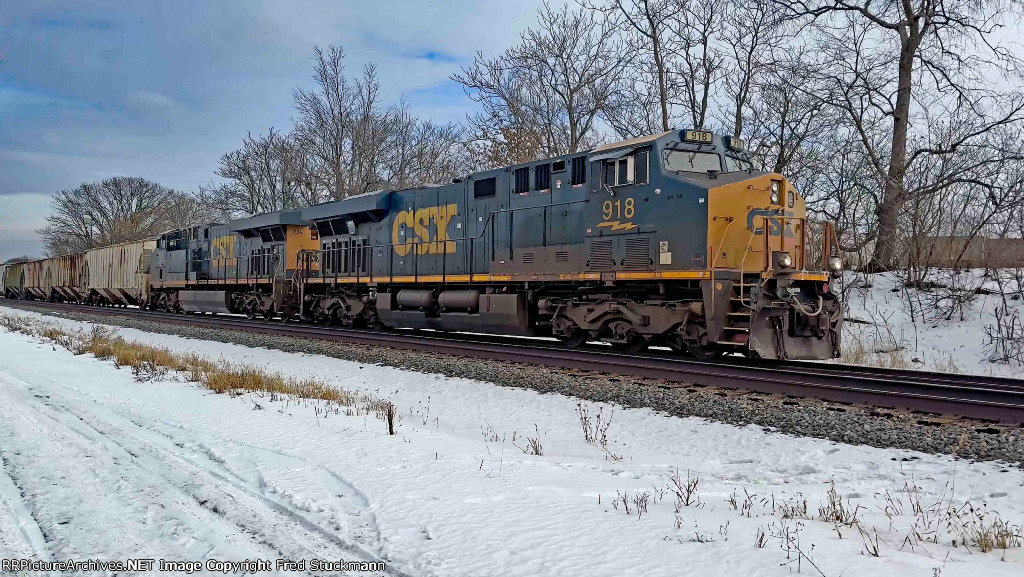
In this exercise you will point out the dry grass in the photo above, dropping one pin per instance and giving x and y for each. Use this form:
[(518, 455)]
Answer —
[(149, 362)]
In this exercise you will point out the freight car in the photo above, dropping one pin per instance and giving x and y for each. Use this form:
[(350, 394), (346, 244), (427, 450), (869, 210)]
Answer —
[(14, 281), (669, 239), (119, 274), (58, 279)]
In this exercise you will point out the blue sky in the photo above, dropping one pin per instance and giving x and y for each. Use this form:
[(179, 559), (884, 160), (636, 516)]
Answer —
[(93, 89)]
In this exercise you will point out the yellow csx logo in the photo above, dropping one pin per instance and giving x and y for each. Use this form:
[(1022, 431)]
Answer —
[(222, 247), (418, 230)]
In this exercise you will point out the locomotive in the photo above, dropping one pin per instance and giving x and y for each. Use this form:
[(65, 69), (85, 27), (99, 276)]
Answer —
[(671, 239)]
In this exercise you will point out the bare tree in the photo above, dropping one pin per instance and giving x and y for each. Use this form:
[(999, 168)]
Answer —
[(119, 209), (268, 173), (546, 94), (697, 29), (753, 32), (646, 25), (348, 141), (419, 151), (894, 67), (322, 122)]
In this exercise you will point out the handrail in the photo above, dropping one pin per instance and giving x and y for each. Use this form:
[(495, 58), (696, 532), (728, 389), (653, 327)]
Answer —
[(718, 248)]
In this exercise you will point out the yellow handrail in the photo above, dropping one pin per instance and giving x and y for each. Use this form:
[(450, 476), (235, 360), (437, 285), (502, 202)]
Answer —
[(718, 248)]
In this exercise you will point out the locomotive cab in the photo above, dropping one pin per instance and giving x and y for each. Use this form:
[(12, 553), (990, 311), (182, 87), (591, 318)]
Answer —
[(689, 206)]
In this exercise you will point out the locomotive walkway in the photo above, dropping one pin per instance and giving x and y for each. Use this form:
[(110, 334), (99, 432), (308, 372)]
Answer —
[(986, 398)]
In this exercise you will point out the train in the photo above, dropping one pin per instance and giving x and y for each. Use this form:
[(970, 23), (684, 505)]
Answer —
[(672, 239)]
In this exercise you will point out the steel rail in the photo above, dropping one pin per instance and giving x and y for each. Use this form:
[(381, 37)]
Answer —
[(994, 399)]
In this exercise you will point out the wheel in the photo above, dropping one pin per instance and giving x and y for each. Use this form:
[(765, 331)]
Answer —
[(268, 314), (577, 339), (635, 345), (250, 312), (706, 352)]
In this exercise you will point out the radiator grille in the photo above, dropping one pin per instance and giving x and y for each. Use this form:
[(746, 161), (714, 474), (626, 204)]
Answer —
[(600, 257), (638, 253)]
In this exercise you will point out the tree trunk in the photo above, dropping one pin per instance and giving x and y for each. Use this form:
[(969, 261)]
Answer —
[(885, 254), (659, 64)]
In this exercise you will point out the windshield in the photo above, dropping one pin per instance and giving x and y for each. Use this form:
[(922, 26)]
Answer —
[(733, 164), (692, 161)]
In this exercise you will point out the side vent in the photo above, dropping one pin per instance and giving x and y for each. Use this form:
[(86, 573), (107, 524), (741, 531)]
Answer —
[(638, 254), (600, 255), (527, 258), (561, 256)]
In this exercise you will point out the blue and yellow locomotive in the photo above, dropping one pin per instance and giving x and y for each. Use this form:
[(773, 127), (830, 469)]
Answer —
[(671, 239)]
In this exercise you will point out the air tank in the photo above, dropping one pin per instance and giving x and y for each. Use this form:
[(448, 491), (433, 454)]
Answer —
[(416, 299), (465, 300)]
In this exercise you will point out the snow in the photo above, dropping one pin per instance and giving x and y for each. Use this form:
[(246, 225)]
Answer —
[(888, 321), (98, 465)]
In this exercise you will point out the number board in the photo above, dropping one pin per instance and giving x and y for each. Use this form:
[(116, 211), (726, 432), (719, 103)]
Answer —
[(698, 136)]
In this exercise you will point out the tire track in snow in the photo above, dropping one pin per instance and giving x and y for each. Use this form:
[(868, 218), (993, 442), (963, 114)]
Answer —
[(268, 523), (91, 502), (20, 535)]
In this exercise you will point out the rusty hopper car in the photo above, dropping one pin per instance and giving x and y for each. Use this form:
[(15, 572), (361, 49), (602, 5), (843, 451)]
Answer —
[(63, 278), (14, 281), (119, 274)]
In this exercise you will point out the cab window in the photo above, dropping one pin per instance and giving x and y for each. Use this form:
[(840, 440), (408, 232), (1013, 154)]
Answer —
[(630, 169), (692, 161), (733, 164)]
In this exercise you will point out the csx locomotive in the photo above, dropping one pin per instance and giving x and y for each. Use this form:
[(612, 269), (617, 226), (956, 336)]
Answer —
[(671, 239)]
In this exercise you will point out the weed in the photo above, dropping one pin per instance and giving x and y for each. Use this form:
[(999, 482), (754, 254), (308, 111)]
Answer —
[(760, 538), (685, 491), (595, 427), (835, 511), (532, 446), (793, 508), (976, 526), (744, 506), (490, 435), (788, 535)]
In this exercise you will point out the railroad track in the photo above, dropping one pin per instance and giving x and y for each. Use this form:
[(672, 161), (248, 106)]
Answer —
[(993, 399)]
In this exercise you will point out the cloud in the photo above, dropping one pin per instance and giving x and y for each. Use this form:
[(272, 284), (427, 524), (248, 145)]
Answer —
[(145, 100), (162, 90), (23, 213), (434, 56)]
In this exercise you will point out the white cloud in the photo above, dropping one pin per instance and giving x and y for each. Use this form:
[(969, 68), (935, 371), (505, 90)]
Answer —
[(146, 100), (22, 213)]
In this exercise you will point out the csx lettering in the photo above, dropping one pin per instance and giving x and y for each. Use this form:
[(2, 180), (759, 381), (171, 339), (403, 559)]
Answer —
[(774, 227), (223, 247), (418, 230)]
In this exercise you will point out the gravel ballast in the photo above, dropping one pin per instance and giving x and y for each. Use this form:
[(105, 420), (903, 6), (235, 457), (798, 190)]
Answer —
[(802, 417)]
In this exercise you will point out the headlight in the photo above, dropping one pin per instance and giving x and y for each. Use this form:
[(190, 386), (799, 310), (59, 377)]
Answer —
[(786, 260), (835, 264), (776, 187)]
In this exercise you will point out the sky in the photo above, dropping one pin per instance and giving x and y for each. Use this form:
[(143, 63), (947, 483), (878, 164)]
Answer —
[(94, 89)]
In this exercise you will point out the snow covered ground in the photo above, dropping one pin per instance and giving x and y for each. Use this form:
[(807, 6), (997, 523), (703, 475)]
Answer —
[(899, 327), (98, 465)]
